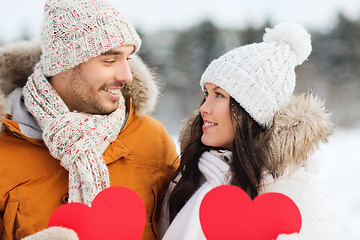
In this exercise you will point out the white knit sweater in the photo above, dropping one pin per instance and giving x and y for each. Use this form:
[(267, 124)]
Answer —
[(301, 186)]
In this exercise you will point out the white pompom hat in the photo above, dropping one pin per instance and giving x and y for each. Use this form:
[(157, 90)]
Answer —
[(261, 76)]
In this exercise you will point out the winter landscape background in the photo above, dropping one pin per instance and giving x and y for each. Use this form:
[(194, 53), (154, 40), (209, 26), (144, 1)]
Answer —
[(180, 38)]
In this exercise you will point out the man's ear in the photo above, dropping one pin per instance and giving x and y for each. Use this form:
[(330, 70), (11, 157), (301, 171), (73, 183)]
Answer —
[(59, 77), (63, 75), (57, 81)]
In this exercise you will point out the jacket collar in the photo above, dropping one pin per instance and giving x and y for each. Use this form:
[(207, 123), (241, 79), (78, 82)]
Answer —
[(12, 127), (17, 61), (21, 116), (117, 149)]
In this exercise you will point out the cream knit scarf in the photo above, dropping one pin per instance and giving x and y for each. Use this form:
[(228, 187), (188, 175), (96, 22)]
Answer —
[(186, 224), (76, 139)]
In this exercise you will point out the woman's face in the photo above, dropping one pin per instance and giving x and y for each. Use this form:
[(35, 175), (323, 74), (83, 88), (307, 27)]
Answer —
[(217, 129)]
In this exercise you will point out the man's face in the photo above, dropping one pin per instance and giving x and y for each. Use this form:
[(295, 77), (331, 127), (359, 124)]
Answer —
[(94, 86)]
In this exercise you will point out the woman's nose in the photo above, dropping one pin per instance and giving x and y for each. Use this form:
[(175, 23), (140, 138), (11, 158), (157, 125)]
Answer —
[(204, 108)]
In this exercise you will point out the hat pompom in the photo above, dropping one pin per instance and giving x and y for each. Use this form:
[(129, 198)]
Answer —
[(294, 35)]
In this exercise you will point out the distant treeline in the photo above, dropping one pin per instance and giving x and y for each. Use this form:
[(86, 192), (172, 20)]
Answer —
[(180, 57)]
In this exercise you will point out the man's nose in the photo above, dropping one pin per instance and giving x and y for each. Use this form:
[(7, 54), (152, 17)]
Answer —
[(123, 72)]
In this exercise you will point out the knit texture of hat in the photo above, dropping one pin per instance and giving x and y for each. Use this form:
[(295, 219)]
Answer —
[(261, 76), (74, 31)]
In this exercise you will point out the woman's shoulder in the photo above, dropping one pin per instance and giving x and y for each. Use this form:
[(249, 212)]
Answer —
[(294, 184), (312, 199), (300, 183)]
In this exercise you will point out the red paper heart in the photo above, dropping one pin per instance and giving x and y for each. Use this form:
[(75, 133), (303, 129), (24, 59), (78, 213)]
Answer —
[(227, 212), (115, 213)]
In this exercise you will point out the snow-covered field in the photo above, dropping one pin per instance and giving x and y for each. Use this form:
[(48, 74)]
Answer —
[(339, 172)]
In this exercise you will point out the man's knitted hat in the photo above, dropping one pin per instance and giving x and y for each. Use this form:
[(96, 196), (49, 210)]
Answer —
[(261, 76), (74, 31)]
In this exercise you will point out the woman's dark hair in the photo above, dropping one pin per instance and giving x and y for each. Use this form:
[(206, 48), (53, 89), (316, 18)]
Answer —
[(249, 161)]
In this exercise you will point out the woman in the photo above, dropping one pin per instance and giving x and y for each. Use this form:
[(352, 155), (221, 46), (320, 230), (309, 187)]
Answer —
[(252, 132)]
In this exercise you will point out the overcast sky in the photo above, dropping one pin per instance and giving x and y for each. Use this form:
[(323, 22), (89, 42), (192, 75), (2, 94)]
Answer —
[(153, 15)]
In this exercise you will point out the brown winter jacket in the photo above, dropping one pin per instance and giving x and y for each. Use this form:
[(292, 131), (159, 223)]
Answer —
[(33, 184)]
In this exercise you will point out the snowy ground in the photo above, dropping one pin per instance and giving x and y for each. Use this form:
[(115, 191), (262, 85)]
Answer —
[(339, 172)]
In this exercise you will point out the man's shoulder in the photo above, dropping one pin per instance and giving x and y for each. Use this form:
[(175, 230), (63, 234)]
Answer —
[(155, 123), (147, 137), (147, 131), (144, 124)]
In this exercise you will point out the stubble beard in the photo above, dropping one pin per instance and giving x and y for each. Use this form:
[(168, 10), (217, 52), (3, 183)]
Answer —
[(84, 101)]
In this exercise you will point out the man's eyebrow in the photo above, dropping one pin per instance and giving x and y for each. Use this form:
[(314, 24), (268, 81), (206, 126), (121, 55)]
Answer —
[(115, 52), (112, 52)]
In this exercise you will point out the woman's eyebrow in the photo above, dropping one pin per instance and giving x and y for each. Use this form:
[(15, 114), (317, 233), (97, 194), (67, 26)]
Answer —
[(213, 89)]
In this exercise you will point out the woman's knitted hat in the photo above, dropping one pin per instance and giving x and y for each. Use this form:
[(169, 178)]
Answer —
[(74, 31), (261, 76)]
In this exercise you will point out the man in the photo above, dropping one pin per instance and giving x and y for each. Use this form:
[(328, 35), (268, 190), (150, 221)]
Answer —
[(79, 124)]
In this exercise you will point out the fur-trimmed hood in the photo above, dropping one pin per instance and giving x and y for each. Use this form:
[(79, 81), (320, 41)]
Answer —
[(17, 61), (296, 133)]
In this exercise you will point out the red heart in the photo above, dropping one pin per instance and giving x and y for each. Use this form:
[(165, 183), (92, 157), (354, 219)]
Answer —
[(115, 213), (227, 212)]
